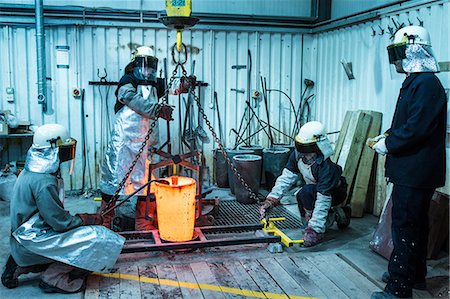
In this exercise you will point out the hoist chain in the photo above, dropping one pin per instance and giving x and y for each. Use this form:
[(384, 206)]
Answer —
[(252, 194)]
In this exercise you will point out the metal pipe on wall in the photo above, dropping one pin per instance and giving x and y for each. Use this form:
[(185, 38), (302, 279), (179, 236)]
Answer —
[(40, 55)]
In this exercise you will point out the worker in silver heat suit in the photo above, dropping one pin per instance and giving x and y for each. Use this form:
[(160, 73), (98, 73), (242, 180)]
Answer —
[(325, 186), (136, 107), (44, 236)]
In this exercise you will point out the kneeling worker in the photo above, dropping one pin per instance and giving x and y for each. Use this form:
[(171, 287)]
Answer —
[(325, 186), (46, 237)]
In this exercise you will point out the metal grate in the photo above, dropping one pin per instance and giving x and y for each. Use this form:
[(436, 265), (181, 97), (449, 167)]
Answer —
[(232, 212)]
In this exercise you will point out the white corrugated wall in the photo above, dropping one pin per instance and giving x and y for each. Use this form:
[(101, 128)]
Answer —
[(374, 88), (274, 55)]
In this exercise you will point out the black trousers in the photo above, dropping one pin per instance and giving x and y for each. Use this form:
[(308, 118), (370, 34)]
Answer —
[(407, 264), (307, 196)]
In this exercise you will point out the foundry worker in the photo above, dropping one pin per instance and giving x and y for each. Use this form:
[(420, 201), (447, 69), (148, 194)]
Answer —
[(415, 162), (44, 236), (325, 186), (136, 109)]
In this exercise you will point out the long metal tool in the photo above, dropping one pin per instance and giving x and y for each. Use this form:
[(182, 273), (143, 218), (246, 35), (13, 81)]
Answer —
[(264, 92)]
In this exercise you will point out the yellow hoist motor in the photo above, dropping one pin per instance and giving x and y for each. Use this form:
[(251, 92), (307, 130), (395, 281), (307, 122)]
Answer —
[(179, 8)]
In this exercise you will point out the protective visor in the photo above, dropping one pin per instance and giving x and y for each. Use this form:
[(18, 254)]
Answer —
[(306, 148), (67, 152), (145, 68), (396, 52)]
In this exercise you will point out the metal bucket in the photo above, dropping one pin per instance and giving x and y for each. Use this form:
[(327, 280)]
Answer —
[(257, 150), (220, 170), (231, 176), (249, 166), (274, 160), (176, 208)]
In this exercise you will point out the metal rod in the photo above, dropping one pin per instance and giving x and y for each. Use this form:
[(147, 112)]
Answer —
[(40, 53)]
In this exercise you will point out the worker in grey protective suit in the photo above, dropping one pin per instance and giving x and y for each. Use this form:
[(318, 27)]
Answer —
[(415, 161), (44, 236), (325, 186), (136, 107)]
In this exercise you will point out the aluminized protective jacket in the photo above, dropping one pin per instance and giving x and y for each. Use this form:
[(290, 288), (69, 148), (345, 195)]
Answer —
[(132, 124), (43, 232)]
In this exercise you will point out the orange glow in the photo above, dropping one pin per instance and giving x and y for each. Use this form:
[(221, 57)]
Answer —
[(176, 208)]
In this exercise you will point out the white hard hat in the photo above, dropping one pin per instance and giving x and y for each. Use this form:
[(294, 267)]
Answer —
[(309, 134), (412, 35), (50, 134), (53, 135), (142, 51)]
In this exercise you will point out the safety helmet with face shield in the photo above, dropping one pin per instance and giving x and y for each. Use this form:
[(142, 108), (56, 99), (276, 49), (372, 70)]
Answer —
[(55, 135), (145, 64), (411, 51), (308, 136)]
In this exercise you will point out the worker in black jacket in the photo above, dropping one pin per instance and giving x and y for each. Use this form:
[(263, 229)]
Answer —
[(415, 163), (325, 186)]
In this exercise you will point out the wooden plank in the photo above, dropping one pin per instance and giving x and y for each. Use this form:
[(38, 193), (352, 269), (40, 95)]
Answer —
[(184, 274), (341, 137), (347, 142), (224, 278), (109, 287), (129, 289), (149, 290), (380, 186), (92, 287), (302, 277), (357, 143), (372, 264), (325, 284), (166, 272), (204, 275), (244, 280), (364, 169), (263, 279), (283, 278), (343, 276)]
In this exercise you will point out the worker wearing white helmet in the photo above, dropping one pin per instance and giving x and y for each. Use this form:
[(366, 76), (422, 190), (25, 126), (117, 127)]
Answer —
[(46, 237), (137, 104), (415, 163), (324, 184)]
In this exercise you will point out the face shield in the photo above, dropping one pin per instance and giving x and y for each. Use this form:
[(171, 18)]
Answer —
[(145, 68), (67, 152), (412, 58)]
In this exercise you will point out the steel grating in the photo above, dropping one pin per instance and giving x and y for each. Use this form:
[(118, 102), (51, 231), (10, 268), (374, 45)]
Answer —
[(232, 212)]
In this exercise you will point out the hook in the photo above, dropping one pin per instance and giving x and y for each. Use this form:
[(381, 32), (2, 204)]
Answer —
[(381, 30), (420, 21), (102, 78), (409, 22), (373, 31)]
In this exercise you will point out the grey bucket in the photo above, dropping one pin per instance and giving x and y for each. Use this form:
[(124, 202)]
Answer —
[(275, 160), (249, 167), (231, 176), (257, 150), (220, 170)]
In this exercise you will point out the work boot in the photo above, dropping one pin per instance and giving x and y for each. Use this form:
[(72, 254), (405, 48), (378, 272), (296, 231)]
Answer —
[(384, 295), (107, 218), (62, 278), (343, 216), (9, 276), (13, 271), (311, 237), (417, 285)]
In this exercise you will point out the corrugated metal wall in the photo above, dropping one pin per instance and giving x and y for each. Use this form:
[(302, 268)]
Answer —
[(95, 49), (374, 87)]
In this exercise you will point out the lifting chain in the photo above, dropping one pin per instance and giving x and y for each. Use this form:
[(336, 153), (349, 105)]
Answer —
[(252, 194)]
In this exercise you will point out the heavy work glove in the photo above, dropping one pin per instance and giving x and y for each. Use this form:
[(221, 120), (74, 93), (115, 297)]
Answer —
[(266, 205), (165, 112), (91, 219), (372, 141), (188, 83), (380, 147)]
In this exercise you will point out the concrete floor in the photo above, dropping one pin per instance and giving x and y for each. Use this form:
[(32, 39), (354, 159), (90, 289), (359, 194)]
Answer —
[(353, 242)]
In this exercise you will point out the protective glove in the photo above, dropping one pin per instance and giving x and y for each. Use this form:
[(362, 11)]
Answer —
[(165, 112), (188, 83), (91, 219), (269, 203), (371, 141), (380, 147)]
